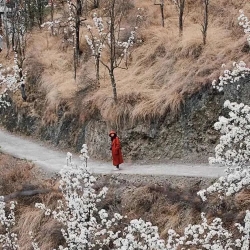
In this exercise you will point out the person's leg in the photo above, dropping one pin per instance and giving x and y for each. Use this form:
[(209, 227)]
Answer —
[(117, 166)]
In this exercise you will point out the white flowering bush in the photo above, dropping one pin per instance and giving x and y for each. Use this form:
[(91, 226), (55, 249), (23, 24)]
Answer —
[(83, 222), (87, 227), (233, 152), (244, 22), (53, 26), (99, 38), (234, 147), (10, 81), (212, 236), (105, 35), (140, 235), (8, 239), (239, 71)]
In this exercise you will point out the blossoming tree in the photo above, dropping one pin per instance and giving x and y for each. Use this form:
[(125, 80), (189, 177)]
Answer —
[(10, 81), (85, 226), (8, 239), (106, 36), (233, 152)]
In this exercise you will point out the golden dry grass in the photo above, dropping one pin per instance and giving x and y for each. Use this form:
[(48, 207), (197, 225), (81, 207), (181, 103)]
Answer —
[(163, 71), (16, 175)]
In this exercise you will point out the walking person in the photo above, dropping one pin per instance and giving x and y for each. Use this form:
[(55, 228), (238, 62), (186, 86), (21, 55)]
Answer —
[(116, 149)]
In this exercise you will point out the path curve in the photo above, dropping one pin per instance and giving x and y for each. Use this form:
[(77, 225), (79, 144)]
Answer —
[(52, 160)]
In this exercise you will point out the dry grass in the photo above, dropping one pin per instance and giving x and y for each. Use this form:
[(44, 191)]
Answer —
[(14, 174), (163, 71), (175, 207), (17, 175), (242, 199), (46, 230)]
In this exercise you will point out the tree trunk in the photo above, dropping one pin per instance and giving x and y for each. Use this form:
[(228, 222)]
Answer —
[(7, 36), (162, 14), (78, 24), (112, 50), (77, 44), (205, 24), (182, 6), (52, 16), (113, 83), (97, 61), (74, 57)]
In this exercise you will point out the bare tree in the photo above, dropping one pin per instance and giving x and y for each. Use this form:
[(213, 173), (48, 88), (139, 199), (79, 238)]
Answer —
[(75, 11), (204, 25), (6, 26), (161, 4), (19, 33), (16, 31), (108, 37), (180, 4), (52, 15), (34, 12), (96, 44), (40, 11)]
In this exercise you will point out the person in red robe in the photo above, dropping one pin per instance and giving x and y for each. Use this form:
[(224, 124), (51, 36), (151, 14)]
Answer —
[(116, 149)]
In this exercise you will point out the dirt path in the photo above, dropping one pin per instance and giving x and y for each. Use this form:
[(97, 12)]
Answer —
[(52, 160)]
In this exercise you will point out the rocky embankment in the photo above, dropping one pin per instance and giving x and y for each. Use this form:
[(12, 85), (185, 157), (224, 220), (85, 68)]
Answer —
[(188, 136)]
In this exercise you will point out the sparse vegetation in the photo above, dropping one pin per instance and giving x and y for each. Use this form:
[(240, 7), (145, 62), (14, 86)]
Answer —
[(160, 76)]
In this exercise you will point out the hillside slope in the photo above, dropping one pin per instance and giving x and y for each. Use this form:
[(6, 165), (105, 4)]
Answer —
[(166, 107)]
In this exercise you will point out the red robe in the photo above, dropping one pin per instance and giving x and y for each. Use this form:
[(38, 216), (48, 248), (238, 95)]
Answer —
[(116, 152)]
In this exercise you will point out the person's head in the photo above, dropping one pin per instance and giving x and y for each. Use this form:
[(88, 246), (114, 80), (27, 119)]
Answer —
[(112, 134)]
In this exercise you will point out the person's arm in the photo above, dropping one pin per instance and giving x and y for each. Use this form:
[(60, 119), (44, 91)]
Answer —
[(117, 145)]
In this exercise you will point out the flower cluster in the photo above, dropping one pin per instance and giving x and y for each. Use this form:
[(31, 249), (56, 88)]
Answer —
[(233, 151), (100, 37), (10, 81), (87, 227), (239, 71), (234, 147), (140, 235), (245, 23), (96, 44), (33, 241), (8, 239), (210, 236), (53, 26), (71, 18), (84, 225)]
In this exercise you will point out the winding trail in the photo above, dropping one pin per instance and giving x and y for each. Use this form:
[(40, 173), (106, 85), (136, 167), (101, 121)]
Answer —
[(52, 160)]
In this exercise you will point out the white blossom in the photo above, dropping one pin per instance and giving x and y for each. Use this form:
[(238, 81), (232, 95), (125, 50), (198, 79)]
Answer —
[(8, 239)]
